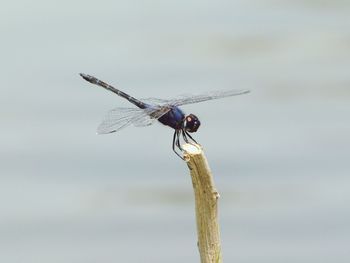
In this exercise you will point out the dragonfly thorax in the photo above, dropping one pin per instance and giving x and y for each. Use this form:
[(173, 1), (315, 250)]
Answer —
[(191, 123)]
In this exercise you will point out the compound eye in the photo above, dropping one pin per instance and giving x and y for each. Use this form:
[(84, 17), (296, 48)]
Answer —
[(192, 123)]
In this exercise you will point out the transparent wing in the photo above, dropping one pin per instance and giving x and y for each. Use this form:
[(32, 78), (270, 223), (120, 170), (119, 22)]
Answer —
[(119, 118), (156, 101), (153, 114), (142, 122), (189, 99)]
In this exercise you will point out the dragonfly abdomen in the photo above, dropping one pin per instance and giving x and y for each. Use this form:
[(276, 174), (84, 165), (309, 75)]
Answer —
[(120, 93)]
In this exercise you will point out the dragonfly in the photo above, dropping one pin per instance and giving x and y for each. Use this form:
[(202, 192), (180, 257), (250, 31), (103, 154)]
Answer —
[(148, 111)]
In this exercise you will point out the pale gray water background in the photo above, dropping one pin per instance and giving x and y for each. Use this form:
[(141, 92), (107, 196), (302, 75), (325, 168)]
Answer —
[(280, 155)]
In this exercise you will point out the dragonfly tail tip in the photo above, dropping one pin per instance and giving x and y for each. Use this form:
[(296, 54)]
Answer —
[(84, 76)]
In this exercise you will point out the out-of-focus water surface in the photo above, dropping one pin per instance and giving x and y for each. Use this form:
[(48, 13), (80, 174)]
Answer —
[(280, 155)]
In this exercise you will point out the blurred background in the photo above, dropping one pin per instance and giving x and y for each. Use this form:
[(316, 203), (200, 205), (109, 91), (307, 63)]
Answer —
[(280, 155)]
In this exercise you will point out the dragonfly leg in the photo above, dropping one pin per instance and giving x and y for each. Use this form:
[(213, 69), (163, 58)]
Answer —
[(184, 136), (191, 137), (178, 140), (174, 139), (177, 144)]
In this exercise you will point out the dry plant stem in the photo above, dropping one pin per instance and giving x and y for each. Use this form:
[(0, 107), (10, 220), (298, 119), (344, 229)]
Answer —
[(206, 203)]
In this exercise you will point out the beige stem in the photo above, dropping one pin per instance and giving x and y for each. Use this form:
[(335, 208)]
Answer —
[(206, 203)]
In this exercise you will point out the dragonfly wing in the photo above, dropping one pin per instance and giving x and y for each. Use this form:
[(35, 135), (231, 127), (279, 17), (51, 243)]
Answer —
[(119, 118), (153, 114), (189, 99), (156, 101), (144, 122)]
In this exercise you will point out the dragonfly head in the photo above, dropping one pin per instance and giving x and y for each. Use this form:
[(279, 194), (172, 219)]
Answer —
[(191, 123)]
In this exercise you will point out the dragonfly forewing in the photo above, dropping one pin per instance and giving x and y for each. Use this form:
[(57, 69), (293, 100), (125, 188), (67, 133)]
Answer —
[(189, 99)]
